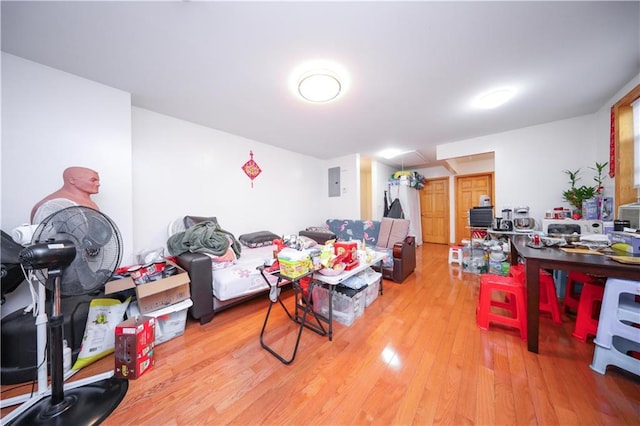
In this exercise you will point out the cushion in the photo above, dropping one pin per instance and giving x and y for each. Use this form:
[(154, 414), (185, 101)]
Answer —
[(387, 260), (347, 230), (392, 231), (307, 242), (189, 221), (258, 239), (321, 229), (371, 229)]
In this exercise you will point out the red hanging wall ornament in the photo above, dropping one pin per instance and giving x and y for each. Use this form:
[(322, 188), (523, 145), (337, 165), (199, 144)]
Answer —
[(251, 168), (612, 145)]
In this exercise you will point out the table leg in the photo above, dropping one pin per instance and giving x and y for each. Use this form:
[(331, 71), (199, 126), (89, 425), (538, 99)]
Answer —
[(332, 289), (307, 311), (533, 304)]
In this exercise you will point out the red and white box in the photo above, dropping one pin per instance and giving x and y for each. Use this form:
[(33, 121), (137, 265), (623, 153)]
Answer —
[(349, 247), (134, 343)]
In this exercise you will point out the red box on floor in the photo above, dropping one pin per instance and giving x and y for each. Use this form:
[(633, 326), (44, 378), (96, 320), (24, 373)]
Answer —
[(134, 343), (349, 247)]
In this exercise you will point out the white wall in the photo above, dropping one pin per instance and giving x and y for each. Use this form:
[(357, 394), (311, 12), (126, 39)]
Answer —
[(52, 120), (181, 168), (153, 168), (529, 162)]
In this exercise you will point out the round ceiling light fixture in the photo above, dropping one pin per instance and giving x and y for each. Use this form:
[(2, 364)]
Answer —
[(319, 81), (319, 86), (494, 98)]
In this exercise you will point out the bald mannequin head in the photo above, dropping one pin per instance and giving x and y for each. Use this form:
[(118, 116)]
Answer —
[(79, 184)]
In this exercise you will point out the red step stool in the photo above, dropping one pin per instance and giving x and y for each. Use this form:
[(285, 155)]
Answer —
[(571, 295), (548, 296), (516, 305), (588, 310)]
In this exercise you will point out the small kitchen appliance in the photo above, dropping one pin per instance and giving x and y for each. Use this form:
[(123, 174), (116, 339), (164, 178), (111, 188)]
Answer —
[(506, 222), (521, 220)]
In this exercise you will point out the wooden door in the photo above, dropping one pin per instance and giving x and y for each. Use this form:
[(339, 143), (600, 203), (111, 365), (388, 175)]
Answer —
[(434, 211), (468, 191)]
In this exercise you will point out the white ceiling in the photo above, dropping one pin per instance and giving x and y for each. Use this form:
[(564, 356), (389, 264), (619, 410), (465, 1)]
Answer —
[(414, 67)]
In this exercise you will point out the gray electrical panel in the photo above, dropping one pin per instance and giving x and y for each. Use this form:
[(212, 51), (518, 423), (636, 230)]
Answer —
[(334, 182)]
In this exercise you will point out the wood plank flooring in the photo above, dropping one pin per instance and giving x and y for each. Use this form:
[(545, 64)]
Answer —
[(416, 356)]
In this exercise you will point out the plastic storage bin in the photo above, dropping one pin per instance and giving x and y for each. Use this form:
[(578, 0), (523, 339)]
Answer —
[(474, 260), (371, 293), (345, 308), (170, 321)]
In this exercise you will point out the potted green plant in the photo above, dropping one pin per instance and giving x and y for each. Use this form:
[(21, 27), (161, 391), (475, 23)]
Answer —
[(599, 178), (576, 195)]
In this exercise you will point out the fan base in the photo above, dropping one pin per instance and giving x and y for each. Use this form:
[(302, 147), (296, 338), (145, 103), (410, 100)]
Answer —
[(86, 405)]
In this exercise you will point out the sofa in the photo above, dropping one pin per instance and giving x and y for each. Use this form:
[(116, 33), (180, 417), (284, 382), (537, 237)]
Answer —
[(216, 283), (387, 234)]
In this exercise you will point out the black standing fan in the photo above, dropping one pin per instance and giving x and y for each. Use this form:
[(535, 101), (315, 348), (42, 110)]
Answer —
[(74, 252)]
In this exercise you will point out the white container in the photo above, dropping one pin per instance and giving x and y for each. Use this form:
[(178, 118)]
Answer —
[(371, 293), (170, 321), (345, 309)]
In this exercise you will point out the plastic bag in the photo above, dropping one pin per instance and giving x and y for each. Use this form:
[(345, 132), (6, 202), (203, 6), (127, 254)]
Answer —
[(99, 334)]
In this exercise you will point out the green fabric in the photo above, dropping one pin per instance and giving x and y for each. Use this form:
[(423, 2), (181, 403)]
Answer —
[(204, 237)]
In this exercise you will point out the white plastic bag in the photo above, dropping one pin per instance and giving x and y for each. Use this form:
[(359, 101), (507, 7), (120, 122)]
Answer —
[(99, 334)]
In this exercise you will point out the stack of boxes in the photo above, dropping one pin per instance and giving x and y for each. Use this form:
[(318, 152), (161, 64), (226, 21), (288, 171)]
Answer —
[(158, 315)]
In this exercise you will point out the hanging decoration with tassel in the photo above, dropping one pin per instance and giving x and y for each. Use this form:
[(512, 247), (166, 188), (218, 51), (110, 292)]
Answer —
[(251, 168)]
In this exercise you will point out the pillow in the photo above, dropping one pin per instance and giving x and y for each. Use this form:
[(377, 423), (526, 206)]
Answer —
[(189, 221), (322, 229), (347, 230), (258, 239), (392, 231), (307, 242)]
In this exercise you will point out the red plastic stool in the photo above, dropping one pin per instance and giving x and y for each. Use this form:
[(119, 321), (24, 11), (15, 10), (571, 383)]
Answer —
[(588, 310), (548, 296), (571, 295), (516, 305)]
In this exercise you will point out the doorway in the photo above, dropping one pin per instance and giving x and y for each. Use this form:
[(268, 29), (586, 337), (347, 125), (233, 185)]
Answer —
[(468, 190), (434, 211)]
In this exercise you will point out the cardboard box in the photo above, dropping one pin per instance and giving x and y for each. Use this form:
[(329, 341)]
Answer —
[(134, 343), (294, 263), (625, 241), (155, 294)]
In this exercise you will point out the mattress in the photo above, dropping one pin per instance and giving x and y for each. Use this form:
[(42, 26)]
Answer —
[(242, 278)]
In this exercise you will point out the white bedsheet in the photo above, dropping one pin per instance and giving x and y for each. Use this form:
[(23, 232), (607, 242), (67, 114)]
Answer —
[(242, 278)]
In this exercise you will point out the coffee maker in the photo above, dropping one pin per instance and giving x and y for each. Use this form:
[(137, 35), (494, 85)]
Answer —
[(505, 223), (521, 220)]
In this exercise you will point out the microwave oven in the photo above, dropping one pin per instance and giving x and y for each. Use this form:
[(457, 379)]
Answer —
[(585, 226), (630, 212)]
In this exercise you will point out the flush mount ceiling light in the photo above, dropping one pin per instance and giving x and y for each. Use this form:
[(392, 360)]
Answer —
[(319, 81), (494, 98), (319, 86), (392, 153)]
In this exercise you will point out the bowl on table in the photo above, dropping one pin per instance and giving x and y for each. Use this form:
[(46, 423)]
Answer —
[(332, 271)]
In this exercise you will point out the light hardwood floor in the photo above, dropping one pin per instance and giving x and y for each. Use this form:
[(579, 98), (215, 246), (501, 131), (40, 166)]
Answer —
[(416, 356)]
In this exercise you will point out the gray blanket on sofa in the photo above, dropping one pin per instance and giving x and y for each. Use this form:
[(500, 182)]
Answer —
[(204, 237)]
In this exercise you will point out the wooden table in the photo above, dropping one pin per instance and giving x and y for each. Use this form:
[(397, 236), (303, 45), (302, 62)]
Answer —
[(555, 258)]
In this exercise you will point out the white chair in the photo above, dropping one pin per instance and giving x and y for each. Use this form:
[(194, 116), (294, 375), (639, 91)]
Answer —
[(619, 312), (616, 355)]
